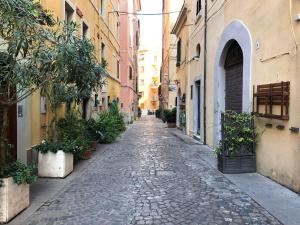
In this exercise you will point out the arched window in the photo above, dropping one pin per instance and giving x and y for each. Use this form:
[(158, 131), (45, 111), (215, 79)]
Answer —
[(198, 50)]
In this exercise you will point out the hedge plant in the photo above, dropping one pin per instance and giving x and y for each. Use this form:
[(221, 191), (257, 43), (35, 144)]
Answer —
[(238, 131)]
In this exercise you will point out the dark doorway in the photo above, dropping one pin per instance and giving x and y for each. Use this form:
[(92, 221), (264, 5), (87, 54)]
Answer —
[(234, 78), (11, 130), (198, 91), (85, 102)]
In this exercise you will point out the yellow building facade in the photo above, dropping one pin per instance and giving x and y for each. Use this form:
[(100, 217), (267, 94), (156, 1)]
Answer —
[(268, 38), (109, 47), (97, 20)]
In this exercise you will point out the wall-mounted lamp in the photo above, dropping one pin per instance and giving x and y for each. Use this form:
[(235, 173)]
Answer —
[(294, 130), (280, 127)]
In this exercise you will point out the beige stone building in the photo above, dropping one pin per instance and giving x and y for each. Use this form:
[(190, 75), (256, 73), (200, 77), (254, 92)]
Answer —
[(168, 91), (149, 60), (249, 43)]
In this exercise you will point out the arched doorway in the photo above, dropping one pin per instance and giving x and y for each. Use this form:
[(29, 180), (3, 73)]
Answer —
[(236, 35), (234, 78)]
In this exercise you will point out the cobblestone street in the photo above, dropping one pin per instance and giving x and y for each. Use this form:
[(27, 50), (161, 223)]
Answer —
[(150, 176)]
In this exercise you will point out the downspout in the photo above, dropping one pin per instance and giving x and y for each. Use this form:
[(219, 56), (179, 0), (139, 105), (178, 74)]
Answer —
[(205, 73)]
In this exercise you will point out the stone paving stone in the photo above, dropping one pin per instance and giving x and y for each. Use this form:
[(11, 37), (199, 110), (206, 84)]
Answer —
[(149, 176)]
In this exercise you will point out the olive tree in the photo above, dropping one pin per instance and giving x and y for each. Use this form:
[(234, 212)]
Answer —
[(24, 63), (75, 71)]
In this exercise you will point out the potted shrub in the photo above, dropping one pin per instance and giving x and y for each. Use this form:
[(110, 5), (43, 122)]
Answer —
[(82, 149), (182, 120), (236, 151), (55, 158), (14, 189), (110, 124), (91, 133), (170, 117)]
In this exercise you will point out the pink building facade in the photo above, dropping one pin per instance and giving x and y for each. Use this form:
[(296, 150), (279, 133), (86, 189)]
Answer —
[(129, 45)]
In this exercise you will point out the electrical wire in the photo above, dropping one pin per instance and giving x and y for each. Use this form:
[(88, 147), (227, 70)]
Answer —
[(144, 14)]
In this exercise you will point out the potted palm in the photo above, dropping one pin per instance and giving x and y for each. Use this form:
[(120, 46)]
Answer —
[(236, 151), (170, 117)]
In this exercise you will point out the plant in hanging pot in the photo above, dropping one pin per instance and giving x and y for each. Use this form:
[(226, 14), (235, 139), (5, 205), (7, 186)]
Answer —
[(55, 158), (170, 117), (236, 150), (15, 179)]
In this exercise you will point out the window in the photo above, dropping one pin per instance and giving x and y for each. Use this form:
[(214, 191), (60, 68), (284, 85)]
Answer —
[(198, 8), (137, 39), (142, 57), (85, 29), (198, 50), (103, 7), (178, 61), (155, 59), (96, 100), (130, 73), (192, 92), (69, 13), (142, 82), (142, 69), (118, 69), (103, 52)]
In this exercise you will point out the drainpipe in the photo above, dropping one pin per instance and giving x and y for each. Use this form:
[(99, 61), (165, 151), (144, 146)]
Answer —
[(205, 72)]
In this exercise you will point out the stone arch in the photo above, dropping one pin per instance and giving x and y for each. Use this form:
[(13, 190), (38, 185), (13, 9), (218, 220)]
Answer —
[(234, 31)]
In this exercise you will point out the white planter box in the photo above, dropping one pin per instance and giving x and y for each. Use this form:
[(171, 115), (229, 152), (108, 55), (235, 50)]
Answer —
[(13, 199), (57, 165)]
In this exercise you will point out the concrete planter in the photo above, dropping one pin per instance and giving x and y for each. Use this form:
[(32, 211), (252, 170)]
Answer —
[(13, 199), (171, 125), (237, 164), (56, 165)]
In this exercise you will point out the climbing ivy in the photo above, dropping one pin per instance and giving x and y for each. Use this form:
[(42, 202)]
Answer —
[(238, 130)]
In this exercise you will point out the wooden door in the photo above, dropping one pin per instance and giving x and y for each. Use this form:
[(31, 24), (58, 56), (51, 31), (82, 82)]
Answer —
[(234, 78)]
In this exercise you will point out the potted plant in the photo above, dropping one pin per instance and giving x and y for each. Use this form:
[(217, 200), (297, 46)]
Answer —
[(182, 120), (110, 124), (91, 133), (55, 158), (170, 117), (236, 151), (14, 189), (82, 149)]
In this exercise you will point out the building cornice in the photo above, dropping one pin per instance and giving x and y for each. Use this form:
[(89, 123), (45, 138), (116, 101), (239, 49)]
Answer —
[(180, 20)]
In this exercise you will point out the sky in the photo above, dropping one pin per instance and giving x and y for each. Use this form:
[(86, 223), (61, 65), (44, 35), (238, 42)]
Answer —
[(151, 26)]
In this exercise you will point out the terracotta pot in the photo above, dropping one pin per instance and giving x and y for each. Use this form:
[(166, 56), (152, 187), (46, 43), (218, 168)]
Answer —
[(87, 154), (94, 144)]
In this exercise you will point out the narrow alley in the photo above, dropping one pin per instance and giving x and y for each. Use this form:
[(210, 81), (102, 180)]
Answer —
[(150, 176)]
